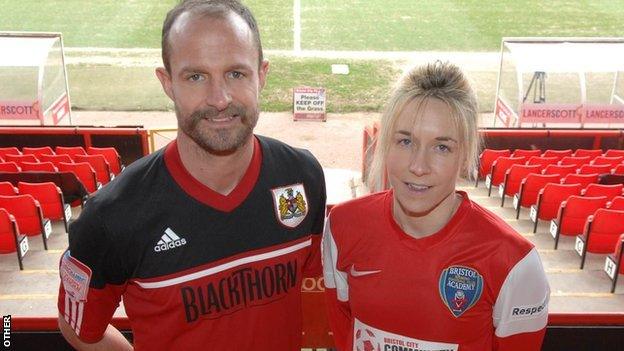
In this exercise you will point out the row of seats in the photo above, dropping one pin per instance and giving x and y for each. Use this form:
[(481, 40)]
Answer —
[(26, 210)]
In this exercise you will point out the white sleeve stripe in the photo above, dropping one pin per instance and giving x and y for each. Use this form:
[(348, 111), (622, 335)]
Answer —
[(522, 303), (334, 278)]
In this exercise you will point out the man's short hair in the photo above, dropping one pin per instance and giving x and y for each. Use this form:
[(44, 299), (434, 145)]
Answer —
[(213, 9)]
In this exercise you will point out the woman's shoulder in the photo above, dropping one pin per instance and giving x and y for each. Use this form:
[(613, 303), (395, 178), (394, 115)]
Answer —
[(368, 204)]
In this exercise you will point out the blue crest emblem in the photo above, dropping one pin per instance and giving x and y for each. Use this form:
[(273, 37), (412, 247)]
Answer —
[(460, 288)]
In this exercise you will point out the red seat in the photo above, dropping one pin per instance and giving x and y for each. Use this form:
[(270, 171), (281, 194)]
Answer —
[(617, 203), (71, 151), (99, 165), (486, 159), (83, 172), (499, 169), (10, 238), (50, 198), (27, 213), (562, 171), (526, 153), (9, 167), (614, 153), (7, 189), (577, 161), (592, 153), (56, 159), (583, 179), (611, 161), (590, 169), (573, 214), (601, 233), (20, 158), (549, 199), (513, 178), (37, 151), (111, 155), (610, 191), (38, 167), (619, 169), (542, 161), (557, 153), (9, 151), (614, 263), (530, 187)]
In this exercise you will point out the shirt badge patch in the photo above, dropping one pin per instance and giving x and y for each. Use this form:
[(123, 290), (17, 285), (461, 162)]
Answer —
[(75, 276), (460, 288), (291, 204)]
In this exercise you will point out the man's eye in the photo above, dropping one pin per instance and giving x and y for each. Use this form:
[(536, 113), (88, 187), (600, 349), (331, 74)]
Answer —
[(236, 75), (195, 77)]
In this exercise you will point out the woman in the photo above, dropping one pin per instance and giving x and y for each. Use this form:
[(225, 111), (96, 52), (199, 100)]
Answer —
[(421, 266)]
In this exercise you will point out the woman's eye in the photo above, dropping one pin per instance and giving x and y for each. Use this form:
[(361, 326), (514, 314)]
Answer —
[(443, 148), (404, 142)]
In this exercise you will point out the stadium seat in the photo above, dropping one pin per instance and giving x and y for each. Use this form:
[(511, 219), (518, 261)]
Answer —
[(513, 177), (50, 198), (84, 172), (602, 231), (100, 166), (592, 153), (71, 151), (37, 151), (73, 190), (617, 203), (610, 191), (583, 179), (56, 159), (549, 199), (10, 238), (598, 169), (562, 171), (614, 153), (526, 153), (28, 214), (530, 187), (572, 215), (499, 168), (577, 161), (486, 159), (37, 167), (9, 151), (111, 155), (557, 153), (611, 161), (20, 158), (614, 265), (619, 169), (9, 167), (7, 189), (542, 161)]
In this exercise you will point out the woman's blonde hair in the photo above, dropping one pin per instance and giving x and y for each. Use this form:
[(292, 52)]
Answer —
[(443, 81)]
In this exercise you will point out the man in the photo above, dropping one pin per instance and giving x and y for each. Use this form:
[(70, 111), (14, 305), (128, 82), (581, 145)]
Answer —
[(206, 240)]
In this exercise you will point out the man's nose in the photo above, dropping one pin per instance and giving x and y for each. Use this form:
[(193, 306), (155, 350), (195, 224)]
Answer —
[(218, 94)]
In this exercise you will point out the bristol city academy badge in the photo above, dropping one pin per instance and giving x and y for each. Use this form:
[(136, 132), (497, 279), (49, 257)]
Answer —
[(291, 204), (460, 288)]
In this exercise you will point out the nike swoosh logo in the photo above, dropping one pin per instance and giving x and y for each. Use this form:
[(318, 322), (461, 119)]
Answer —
[(355, 273)]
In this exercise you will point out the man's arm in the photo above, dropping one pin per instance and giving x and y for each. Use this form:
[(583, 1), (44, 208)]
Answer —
[(112, 339)]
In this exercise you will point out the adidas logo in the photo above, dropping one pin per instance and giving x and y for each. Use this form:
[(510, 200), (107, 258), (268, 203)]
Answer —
[(169, 240)]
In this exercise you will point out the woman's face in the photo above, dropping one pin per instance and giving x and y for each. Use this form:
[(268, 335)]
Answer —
[(424, 160)]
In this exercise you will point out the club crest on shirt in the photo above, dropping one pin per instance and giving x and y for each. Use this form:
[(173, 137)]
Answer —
[(460, 288), (291, 204), (365, 340)]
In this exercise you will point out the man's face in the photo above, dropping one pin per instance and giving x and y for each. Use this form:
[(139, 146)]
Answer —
[(214, 80)]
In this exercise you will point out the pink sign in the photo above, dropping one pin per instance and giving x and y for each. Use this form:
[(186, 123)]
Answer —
[(309, 104), (60, 109), (504, 113), (604, 114), (19, 110), (551, 113)]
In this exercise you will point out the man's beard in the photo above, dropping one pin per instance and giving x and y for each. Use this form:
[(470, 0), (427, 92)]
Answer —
[(219, 140)]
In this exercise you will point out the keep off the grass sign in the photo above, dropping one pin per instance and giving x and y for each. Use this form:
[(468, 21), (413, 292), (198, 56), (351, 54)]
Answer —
[(309, 104)]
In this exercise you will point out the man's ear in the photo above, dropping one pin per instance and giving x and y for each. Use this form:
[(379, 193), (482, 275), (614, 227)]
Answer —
[(262, 73), (165, 80)]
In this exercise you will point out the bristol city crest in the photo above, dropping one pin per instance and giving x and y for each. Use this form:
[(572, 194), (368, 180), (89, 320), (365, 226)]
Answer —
[(291, 204), (460, 288), (365, 340)]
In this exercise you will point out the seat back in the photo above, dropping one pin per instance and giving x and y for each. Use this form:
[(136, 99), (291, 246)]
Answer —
[(526, 153), (38, 167), (8, 229), (606, 227), (533, 184), (611, 161), (618, 251), (515, 176), (9, 167), (542, 161), (557, 153), (20, 158), (49, 196), (610, 191), (83, 172), (562, 171), (619, 169), (99, 165), (583, 179), (11, 150), (552, 196), (26, 213), (574, 211), (71, 151), (37, 151), (592, 153), (7, 189), (589, 169), (111, 155), (500, 167), (614, 153), (577, 161), (617, 203), (55, 159), (487, 158)]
